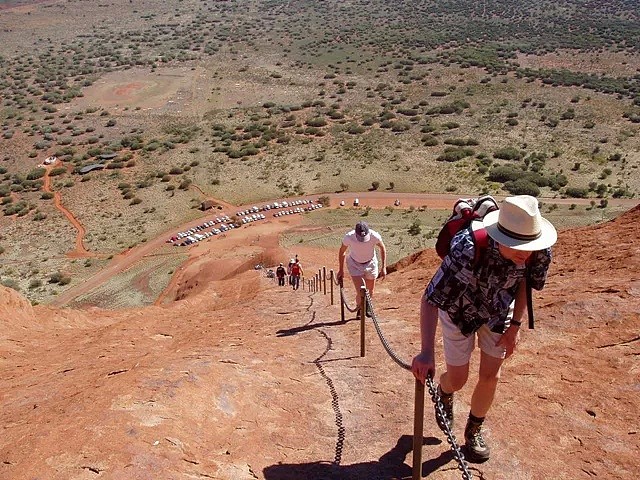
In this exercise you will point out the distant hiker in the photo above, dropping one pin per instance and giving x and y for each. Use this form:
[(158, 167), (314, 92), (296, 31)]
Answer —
[(483, 297), (281, 273), (362, 262), (291, 262), (296, 272)]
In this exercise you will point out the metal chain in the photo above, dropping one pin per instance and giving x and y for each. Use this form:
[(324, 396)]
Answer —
[(435, 397), (344, 301)]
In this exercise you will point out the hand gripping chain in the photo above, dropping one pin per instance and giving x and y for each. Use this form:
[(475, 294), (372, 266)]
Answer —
[(435, 398)]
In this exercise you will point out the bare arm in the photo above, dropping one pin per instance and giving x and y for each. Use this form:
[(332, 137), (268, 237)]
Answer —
[(423, 364), (341, 254), (383, 259)]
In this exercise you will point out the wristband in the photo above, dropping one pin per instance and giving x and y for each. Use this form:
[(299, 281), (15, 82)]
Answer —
[(516, 323)]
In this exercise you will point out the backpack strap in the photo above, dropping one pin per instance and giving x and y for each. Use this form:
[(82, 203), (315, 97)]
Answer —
[(529, 297), (480, 241)]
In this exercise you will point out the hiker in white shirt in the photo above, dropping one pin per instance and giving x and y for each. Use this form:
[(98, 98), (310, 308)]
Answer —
[(361, 260)]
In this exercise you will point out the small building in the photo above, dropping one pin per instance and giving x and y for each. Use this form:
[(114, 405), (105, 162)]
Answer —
[(207, 205)]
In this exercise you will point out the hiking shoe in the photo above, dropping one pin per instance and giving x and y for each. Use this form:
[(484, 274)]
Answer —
[(447, 404), (477, 449)]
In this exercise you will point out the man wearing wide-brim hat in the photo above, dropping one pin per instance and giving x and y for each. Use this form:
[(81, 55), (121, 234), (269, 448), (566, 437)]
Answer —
[(483, 298)]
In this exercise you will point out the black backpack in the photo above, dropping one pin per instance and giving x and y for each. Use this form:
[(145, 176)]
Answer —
[(469, 212)]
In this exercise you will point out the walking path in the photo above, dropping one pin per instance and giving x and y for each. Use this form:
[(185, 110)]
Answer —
[(80, 251)]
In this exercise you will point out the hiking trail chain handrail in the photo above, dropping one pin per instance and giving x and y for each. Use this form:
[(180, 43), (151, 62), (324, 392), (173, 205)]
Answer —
[(344, 301), (435, 398)]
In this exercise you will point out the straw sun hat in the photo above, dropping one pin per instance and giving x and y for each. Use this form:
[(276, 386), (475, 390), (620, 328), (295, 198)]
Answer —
[(519, 225)]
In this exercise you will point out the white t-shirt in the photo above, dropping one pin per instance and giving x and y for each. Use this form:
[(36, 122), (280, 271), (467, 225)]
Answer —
[(362, 252)]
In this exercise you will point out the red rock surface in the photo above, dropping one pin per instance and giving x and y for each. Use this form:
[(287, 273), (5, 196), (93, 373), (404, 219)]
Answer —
[(241, 379)]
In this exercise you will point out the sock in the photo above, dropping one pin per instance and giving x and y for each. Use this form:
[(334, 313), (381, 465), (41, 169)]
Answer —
[(443, 393), (476, 420)]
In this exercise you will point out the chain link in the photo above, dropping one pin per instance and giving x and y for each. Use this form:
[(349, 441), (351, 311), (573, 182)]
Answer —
[(435, 398)]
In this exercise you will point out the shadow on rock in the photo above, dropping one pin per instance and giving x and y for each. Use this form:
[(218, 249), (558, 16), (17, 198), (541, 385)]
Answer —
[(292, 331), (390, 466)]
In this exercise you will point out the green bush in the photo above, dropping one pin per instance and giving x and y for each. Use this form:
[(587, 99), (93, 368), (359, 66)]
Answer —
[(522, 187), (36, 173), (316, 122), (577, 192), (57, 171), (452, 154), (508, 153), (429, 140)]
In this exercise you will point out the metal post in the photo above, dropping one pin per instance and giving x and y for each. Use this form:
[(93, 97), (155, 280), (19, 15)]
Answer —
[(331, 283), (363, 311), (418, 425), (341, 302), (324, 279)]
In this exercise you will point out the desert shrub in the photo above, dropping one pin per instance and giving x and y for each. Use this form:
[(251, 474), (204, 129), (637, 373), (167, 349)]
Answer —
[(508, 153), (55, 277), (57, 171), (522, 187), (453, 154), (409, 112), (111, 123), (316, 122), (429, 140), (135, 201), (577, 192), (461, 142), (176, 171), (400, 126), (355, 129), (36, 173), (39, 216), (414, 229), (450, 125), (10, 283), (46, 195)]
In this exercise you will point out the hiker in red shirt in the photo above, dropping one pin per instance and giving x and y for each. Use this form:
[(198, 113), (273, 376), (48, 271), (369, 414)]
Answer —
[(296, 272)]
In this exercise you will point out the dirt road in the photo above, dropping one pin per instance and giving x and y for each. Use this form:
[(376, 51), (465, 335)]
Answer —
[(374, 199)]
